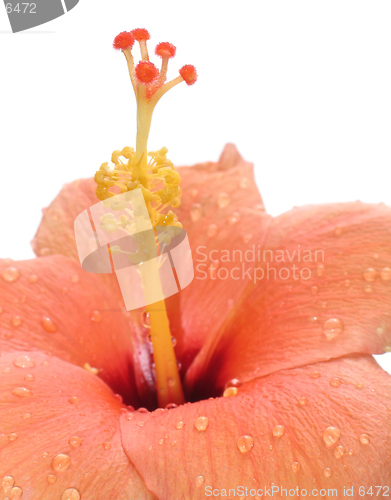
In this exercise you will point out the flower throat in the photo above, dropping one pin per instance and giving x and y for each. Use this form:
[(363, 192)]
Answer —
[(155, 175)]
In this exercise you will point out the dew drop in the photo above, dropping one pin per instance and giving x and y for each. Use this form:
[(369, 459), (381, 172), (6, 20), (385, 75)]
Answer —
[(180, 425), (24, 362), (13, 436), (70, 494), (61, 462), (201, 423), (245, 443), (142, 410), (369, 274), (10, 274), (339, 451), (331, 435), (48, 325), (364, 439), (45, 454), (96, 317), (32, 279), (211, 230), (302, 401), (332, 328), (233, 218), (347, 283), (223, 200), (233, 383), (368, 289), (320, 270), (7, 369), (15, 493), (160, 441), (75, 441), (22, 392), (327, 471), (315, 375), (244, 182), (7, 483), (296, 467), (385, 274), (106, 446), (170, 406), (314, 290), (335, 382), (230, 391), (51, 478), (74, 400), (196, 212), (199, 481), (16, 321), (145, 320), (247, 238), (26, 416), (173, 341), (359, 385), (75, 278), (278, 431)]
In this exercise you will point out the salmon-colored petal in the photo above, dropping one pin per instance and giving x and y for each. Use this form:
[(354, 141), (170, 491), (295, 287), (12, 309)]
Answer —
[(50, 304), (60, 433), (321, 426), (336, 301), (221, 210)]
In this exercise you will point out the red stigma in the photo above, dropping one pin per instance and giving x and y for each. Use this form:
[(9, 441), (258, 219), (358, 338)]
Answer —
[(140, 34), (165, 49), (189, 74), (146, 72), (124, 40)]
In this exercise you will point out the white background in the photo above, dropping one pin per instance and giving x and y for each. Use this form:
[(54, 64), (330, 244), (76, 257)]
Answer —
[(301, 87)]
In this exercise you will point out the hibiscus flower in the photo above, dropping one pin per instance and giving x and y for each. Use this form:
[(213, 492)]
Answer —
[(274, 341)]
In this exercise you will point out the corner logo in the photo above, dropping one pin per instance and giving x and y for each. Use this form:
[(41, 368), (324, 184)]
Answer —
[(150, 263), (25, 15)]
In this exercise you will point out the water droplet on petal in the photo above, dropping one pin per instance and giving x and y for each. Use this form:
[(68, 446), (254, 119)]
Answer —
[(247, 238), (106, 446), (347, 283), (74, 400), (15, 493), (339, 451), (230, 391), (201, 423), (33, 279), (385, 274), (75, 441), (302, 401), (212, 230), (61, 462), (320, 270), (335, 382), (245, 443), (96, 317), (233, 383), (199, 481), (70, 494), (244, 182), (223, 200), (233, 218), (16, 321), (196, 212), (7, 369), (364, 439), (22, 392), (10, 274), (24, 362), (173, 340), (368, 289), (369, 274), (7, 483), (332, 328), (49, 325), (26, 416), (315, 375), (331, 435), (327, 471), (13, 436), (145, 320), (314, 290), (160, 441), (296, 467), (51, 478), (180, 425), (278, 431), (170, 406)]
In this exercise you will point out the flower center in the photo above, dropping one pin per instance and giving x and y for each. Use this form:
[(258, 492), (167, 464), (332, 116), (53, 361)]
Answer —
[(159, 182)]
